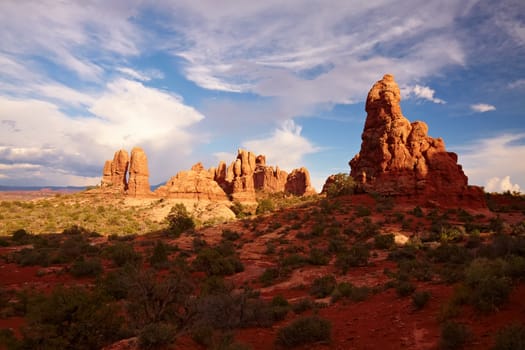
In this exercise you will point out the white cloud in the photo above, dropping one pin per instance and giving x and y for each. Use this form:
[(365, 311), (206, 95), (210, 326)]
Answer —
[(495, 184), (496, 157), (139, 75), (127, 113), (517, 84), (482, 107), (286, 147), (423, 92)]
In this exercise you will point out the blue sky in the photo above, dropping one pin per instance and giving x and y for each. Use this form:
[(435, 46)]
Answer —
[(195, 80)]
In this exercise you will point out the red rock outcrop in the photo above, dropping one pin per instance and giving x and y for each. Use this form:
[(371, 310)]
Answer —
[(268, 179), (399, 158), (242, 185), (138, 183), (298, 183), (197, 183), (115, 171)]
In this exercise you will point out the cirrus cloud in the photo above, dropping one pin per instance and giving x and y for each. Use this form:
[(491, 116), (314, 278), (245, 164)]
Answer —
[(482, 107)]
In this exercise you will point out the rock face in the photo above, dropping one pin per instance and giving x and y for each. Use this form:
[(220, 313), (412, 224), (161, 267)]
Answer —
[(242, 185), (399, 158), (268, 179), (115, 171), (298, 183), (138, 183), (237, 182), (197, 184)]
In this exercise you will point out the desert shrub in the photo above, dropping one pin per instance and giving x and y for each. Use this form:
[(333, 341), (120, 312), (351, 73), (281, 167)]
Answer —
[(75, 230), (341, 184), (318, 257), (179, 220), (497, 224), (215, 285), (302, 306), (323, 286), (154, 299), (221, 260), (294, 261), (357, 255), (417, 212), (32, 257), (348, 290), (280, 307), (420, 270), (453, 335), (511, 337), (405, 288), (71, 319), (362, 211), (450, 253), (369, 229), (384, 241), (21, 236), (304, 330), (406, 252), (86, 268), (72, 248), (122, 254), (420, 299), (159, 257), (269, 276), (8, 339), (265, 206), (156, 335), (239, 210), (230, 235), (114, 284), (488, 284)]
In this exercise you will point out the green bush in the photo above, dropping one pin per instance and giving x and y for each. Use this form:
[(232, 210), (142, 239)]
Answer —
[(220, 260), (122, 254), (269, 276), (159, 257), (348, 290), (318, 257), (384, 241), (304, 330), (32, 257), (156, 335), (179, 220), (71, 318), (420, 299), (302, 306), (453, 335), (323, 286), (341, 184), (405, 288), (21, 236), (86, 268), (75, 230), (488, 284), (230, 235), (280, 307), (265, 206), (356, 256), (511, 337)]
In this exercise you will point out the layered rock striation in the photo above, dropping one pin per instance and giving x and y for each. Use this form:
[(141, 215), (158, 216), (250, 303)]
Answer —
[(398, 157)]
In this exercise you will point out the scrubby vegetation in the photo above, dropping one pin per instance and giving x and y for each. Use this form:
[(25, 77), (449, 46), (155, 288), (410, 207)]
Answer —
[(290, 275)]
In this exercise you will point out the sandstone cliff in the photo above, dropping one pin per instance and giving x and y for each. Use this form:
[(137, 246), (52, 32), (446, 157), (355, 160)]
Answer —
[(138, 183)]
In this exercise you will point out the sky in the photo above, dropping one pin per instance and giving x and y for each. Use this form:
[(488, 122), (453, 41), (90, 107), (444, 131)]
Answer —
[(194, 80)]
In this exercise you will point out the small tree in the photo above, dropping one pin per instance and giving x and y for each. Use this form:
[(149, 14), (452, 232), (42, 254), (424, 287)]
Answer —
[(179, 220), (340, 185)]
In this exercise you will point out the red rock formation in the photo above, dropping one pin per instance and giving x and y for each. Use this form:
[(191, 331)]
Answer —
[(399, 158), (243, 189), (138, 183), (298, 183), (268, 179), (197, 184), (115, 171)]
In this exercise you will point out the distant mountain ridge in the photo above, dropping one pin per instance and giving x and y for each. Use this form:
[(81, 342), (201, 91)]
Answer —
[(43, 188)]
